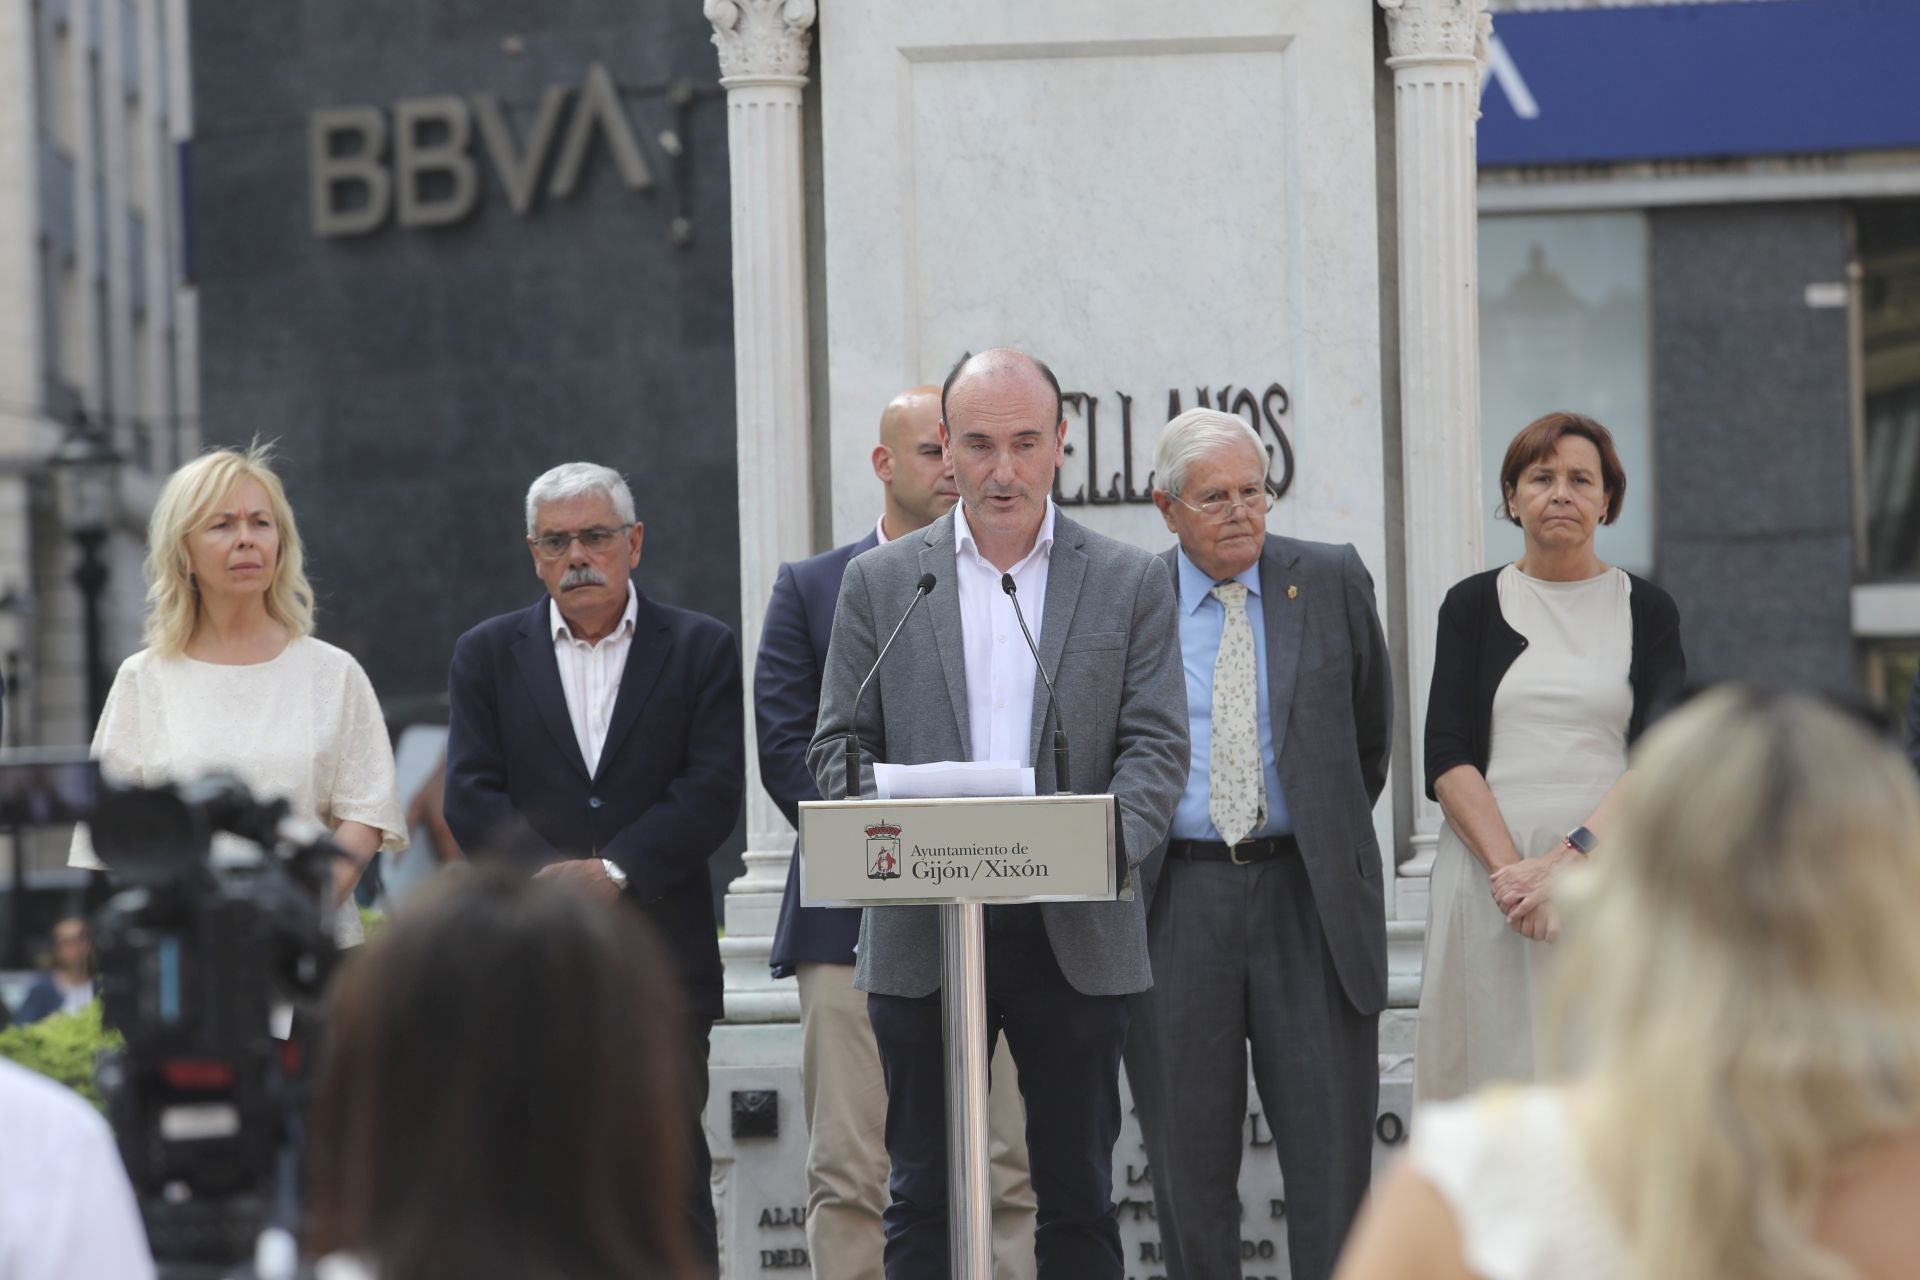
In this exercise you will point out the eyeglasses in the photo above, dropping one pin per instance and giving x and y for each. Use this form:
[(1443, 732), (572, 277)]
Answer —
[(1255, 503), (551, 546)]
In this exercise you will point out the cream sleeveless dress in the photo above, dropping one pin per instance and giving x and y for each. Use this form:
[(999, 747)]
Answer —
[(1508, 1165), (1559, 741)]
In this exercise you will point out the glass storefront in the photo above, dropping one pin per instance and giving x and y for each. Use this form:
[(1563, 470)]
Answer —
[(1887, 239), (1564, 325)]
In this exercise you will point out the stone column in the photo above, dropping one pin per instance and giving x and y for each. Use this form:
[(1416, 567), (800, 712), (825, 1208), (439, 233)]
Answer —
[(763, 66), (1436, 48)]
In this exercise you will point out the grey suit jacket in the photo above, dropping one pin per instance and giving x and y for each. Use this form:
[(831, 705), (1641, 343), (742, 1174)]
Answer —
[(1330, 695), (1111, 640)]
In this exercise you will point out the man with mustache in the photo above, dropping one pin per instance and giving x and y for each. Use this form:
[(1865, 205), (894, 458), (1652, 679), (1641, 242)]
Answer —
[(959, 684), (845, 1097), (548, 765)]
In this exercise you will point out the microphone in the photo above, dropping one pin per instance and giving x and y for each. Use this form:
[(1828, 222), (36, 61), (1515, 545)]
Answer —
[(1062, 775), (920, 590)]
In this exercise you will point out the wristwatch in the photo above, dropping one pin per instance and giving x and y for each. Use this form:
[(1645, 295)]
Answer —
[(1583, 839), (619, 877)]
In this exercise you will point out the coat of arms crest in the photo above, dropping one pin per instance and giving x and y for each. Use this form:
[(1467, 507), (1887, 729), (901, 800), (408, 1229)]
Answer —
[(883, 851)]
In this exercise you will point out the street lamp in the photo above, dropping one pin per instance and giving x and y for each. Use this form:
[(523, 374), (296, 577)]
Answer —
[(85, 469)]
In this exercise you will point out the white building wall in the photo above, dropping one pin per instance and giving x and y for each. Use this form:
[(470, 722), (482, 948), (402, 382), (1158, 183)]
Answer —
[(93, 108)]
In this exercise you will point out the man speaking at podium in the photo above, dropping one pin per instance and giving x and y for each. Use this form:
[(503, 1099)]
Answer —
[(959, 684)]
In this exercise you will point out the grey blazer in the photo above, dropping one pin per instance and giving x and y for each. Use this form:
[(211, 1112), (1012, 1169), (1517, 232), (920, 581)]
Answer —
[(1330, 690), (1111, 641)]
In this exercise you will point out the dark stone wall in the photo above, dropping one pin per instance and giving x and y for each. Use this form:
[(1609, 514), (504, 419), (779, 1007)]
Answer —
[(418, 379), (1754, 533)]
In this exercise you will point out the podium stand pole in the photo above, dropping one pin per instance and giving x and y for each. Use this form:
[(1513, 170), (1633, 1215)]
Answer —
[(963, 999), (1057, 848)]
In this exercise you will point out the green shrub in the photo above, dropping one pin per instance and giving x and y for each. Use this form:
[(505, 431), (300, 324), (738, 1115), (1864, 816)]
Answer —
[(63, 1047)]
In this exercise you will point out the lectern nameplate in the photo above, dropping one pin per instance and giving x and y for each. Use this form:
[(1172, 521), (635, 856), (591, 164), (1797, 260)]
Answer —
[(867, 853)]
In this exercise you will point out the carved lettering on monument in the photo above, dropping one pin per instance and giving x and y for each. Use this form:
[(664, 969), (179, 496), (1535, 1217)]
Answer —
[(783, 1216), (794, 1259), (1106, 487)]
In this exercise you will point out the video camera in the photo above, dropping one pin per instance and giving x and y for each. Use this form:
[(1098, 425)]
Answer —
[(217, 924), (217, 929)]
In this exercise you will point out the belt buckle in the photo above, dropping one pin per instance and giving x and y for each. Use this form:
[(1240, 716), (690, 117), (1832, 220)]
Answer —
[(1233, 856)]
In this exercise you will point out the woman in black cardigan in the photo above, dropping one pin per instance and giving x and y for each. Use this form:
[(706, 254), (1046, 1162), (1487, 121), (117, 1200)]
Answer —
[(1545, 671)]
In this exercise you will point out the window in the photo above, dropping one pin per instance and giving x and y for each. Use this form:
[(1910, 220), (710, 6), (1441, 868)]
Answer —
[(143, 407), (139, 365), (1889, 670), (138, 149), (63, 102), (1563, 325), (1887, 240), (52, 316), (73, 327)]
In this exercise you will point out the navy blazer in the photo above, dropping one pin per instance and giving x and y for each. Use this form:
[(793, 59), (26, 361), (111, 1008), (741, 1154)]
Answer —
[(786, 703), (665, 795)]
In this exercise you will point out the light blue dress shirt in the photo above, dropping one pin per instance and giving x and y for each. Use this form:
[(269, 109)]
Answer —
[(1202, 620)]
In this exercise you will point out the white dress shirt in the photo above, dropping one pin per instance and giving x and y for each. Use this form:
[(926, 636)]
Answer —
[(590, 676), (1000, 673), (66, 1209)]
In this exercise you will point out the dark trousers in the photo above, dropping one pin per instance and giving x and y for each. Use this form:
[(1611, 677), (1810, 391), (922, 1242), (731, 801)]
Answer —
[(1066, 1049), (1239, 960), (703, 1233)]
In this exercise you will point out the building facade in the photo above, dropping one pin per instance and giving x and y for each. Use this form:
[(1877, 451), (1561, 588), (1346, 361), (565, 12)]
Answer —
[(1701, 223), (441, 248), (97, 324)]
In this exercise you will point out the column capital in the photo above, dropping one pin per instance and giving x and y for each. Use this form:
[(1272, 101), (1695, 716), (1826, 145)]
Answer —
[(762, 39), (1437, 30)]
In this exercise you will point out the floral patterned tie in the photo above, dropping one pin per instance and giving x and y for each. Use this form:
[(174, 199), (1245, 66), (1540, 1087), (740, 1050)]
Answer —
[(1236, 783)]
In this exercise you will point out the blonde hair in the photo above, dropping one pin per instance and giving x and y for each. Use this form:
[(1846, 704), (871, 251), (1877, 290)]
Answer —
[(1742, 972), (189, 498)]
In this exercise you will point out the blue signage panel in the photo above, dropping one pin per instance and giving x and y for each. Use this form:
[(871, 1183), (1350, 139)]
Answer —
[(1758, 77)]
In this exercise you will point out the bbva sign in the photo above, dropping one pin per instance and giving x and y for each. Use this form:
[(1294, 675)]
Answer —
[(434, 180)]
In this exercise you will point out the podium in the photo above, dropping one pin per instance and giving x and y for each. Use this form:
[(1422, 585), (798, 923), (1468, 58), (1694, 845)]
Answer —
[(961, 855)]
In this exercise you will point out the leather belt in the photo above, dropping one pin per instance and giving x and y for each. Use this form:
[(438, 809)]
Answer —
[(1265, 849)]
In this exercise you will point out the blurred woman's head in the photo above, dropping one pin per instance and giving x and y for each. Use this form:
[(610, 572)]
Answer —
[(1561, 480), (1741, 975), (222, 528), (72, 947), (501, 1095)]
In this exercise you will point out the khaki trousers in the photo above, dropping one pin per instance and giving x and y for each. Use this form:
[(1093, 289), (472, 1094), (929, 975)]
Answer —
[(846, 1105)]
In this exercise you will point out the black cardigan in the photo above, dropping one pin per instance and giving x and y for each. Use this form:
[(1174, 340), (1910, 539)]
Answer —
[(1475, 646)]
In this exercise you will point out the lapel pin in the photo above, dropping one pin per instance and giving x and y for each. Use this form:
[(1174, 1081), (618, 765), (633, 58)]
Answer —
[(1293, 592)]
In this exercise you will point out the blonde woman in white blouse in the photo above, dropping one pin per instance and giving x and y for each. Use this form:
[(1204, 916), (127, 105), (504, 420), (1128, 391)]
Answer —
[(232, 679), (1742, 971)]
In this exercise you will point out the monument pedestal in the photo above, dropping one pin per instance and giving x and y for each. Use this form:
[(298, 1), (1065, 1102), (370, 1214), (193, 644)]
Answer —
[(757, 1130)]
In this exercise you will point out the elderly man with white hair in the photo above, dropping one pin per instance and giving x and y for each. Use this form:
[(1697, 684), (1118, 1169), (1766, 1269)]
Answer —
[(1265, 922), (599, 736)]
